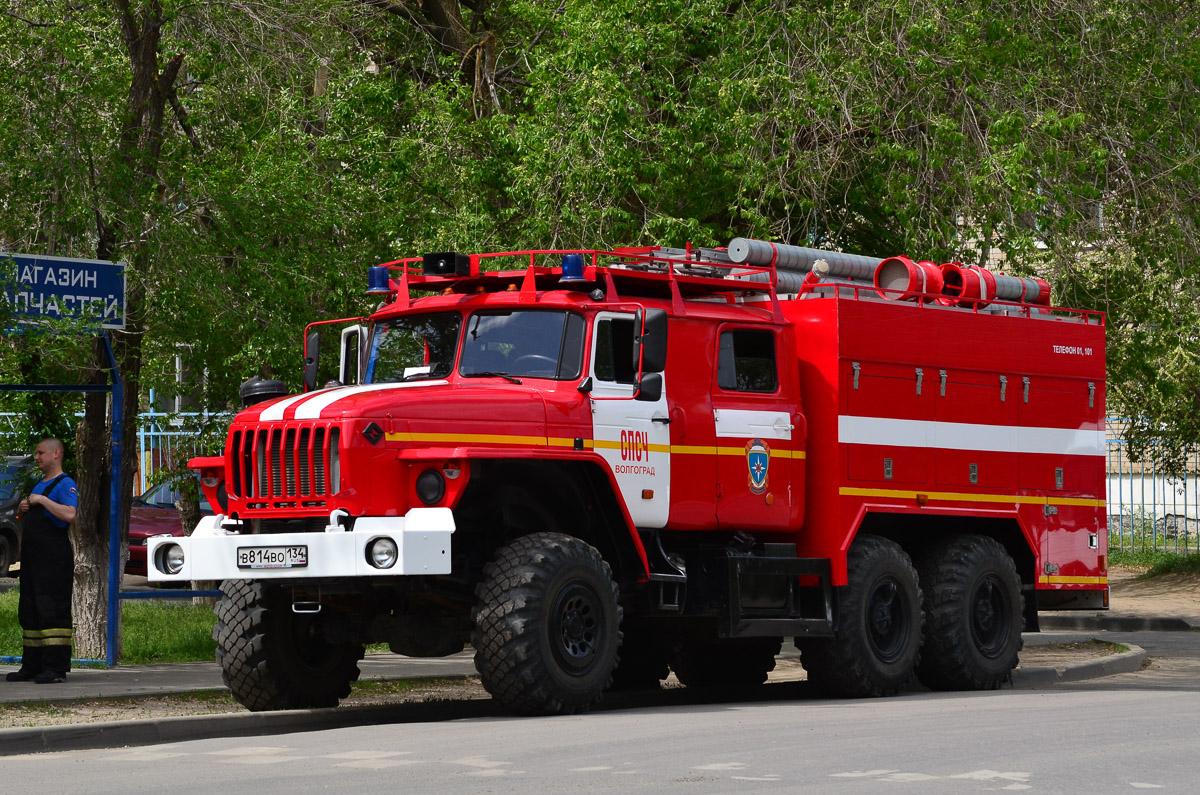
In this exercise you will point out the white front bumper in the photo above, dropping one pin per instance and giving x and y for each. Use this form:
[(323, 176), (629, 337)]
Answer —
[(422, 537)]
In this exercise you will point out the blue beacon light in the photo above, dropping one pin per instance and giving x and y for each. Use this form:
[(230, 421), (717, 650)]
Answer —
[(572, 268), (377, 280)]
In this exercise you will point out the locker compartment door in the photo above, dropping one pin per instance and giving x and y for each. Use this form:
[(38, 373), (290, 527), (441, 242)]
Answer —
[(887, 427), (976, 432)]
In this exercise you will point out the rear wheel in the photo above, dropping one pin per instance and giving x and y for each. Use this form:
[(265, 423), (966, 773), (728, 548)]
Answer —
[(877, 643), (739, 662), (973, 614), (274, 658), (546, 625)]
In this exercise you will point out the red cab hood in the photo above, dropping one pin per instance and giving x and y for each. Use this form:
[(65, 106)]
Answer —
[(412, 400)]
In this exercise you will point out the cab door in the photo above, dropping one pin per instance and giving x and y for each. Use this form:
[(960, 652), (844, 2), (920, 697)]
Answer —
[(754, 422), (633, 436)]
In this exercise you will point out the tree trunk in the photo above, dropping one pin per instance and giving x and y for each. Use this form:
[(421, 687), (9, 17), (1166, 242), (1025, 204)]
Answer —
[(121, 234), (89, 532)]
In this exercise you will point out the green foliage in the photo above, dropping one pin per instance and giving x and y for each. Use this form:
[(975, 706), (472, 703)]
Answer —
[(322, 136)]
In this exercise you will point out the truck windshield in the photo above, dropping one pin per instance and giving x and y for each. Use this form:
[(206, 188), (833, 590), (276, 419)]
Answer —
[(535, 344), (414, 347)]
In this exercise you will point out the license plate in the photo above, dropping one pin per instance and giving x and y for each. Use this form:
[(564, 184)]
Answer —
[(272, 557)]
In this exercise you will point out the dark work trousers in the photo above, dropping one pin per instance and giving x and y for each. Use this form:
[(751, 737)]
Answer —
[(44, 607)]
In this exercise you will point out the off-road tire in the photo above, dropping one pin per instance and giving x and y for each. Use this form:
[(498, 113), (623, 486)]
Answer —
[(738, 662), (546, 625), (973, 614), (644, 659), (272, 658), (877, 643), (5, 555)]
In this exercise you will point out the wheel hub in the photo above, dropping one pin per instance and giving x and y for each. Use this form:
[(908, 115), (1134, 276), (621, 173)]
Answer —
[(989, 617), (887, 625), (575, 630)]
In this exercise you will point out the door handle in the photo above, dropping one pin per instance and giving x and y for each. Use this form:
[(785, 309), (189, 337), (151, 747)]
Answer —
[(663, 420)]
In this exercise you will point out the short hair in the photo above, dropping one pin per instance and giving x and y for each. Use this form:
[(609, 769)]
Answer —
[(54, 443)]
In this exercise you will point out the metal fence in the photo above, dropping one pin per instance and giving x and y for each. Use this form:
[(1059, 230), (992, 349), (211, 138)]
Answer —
[(1147, 508), (163, 439)]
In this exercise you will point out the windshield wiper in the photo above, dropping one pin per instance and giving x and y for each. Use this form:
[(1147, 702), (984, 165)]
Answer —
[(493, 374)]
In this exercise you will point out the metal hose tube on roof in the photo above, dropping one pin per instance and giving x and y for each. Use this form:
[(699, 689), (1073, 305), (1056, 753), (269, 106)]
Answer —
[(1019, 288), (744, 250)]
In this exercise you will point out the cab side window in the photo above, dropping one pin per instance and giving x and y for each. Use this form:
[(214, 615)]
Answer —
[(614, 341), (746, 361)]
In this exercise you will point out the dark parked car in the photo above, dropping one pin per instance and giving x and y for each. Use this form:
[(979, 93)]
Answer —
[(11, 481), (154, 514)]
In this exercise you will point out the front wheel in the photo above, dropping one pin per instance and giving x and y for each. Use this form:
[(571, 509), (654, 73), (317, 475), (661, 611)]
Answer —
[(274, 658), (546, 625), (973, 614), (877, 643)]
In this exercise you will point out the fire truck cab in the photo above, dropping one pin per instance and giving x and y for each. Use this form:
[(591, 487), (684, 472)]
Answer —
[(599, 467)]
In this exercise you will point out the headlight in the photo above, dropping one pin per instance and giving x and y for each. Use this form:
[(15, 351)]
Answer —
[(170, 558), (431, 486), (381, 553)]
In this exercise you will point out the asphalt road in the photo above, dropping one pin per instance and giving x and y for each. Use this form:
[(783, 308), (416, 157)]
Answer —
[(1123, 733)]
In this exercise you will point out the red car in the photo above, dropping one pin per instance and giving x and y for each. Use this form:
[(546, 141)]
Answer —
[(154, 514)]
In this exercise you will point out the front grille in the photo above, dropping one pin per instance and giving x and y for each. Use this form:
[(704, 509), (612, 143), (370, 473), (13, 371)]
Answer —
[(286, 461)]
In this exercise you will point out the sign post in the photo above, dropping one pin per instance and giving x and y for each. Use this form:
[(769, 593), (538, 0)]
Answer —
[(38, 290)]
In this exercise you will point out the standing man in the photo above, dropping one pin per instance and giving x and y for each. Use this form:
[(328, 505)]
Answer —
[(47, 570)]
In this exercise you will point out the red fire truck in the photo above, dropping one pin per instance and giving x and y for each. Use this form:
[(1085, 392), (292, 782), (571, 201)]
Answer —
[(597, 467)]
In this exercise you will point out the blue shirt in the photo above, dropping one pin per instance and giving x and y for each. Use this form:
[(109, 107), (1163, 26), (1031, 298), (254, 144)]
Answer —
[(64, 493)]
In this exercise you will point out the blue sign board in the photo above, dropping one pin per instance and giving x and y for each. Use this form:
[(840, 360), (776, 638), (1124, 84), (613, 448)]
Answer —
[(37, 289)]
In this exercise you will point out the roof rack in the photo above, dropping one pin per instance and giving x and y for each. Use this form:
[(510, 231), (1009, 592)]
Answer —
[(650, 271)]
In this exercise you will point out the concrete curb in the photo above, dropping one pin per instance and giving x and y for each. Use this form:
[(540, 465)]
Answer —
[(1123, 663), (157, 731), (1104, 622)]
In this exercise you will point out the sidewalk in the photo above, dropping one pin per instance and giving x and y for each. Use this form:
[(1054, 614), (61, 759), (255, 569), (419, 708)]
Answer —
[(174, 678)]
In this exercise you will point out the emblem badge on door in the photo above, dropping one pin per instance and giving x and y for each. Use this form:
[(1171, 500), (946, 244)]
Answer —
[(758, 461)]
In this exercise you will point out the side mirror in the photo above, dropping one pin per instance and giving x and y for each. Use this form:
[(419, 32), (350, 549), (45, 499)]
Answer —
[(650, 341), (312, 354), (649, 388)]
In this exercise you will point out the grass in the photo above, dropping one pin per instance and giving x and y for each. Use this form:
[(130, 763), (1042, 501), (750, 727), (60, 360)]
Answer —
[(1155, 562), (152, 632), (166, 631), (1176, 564), (1134, 531)]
